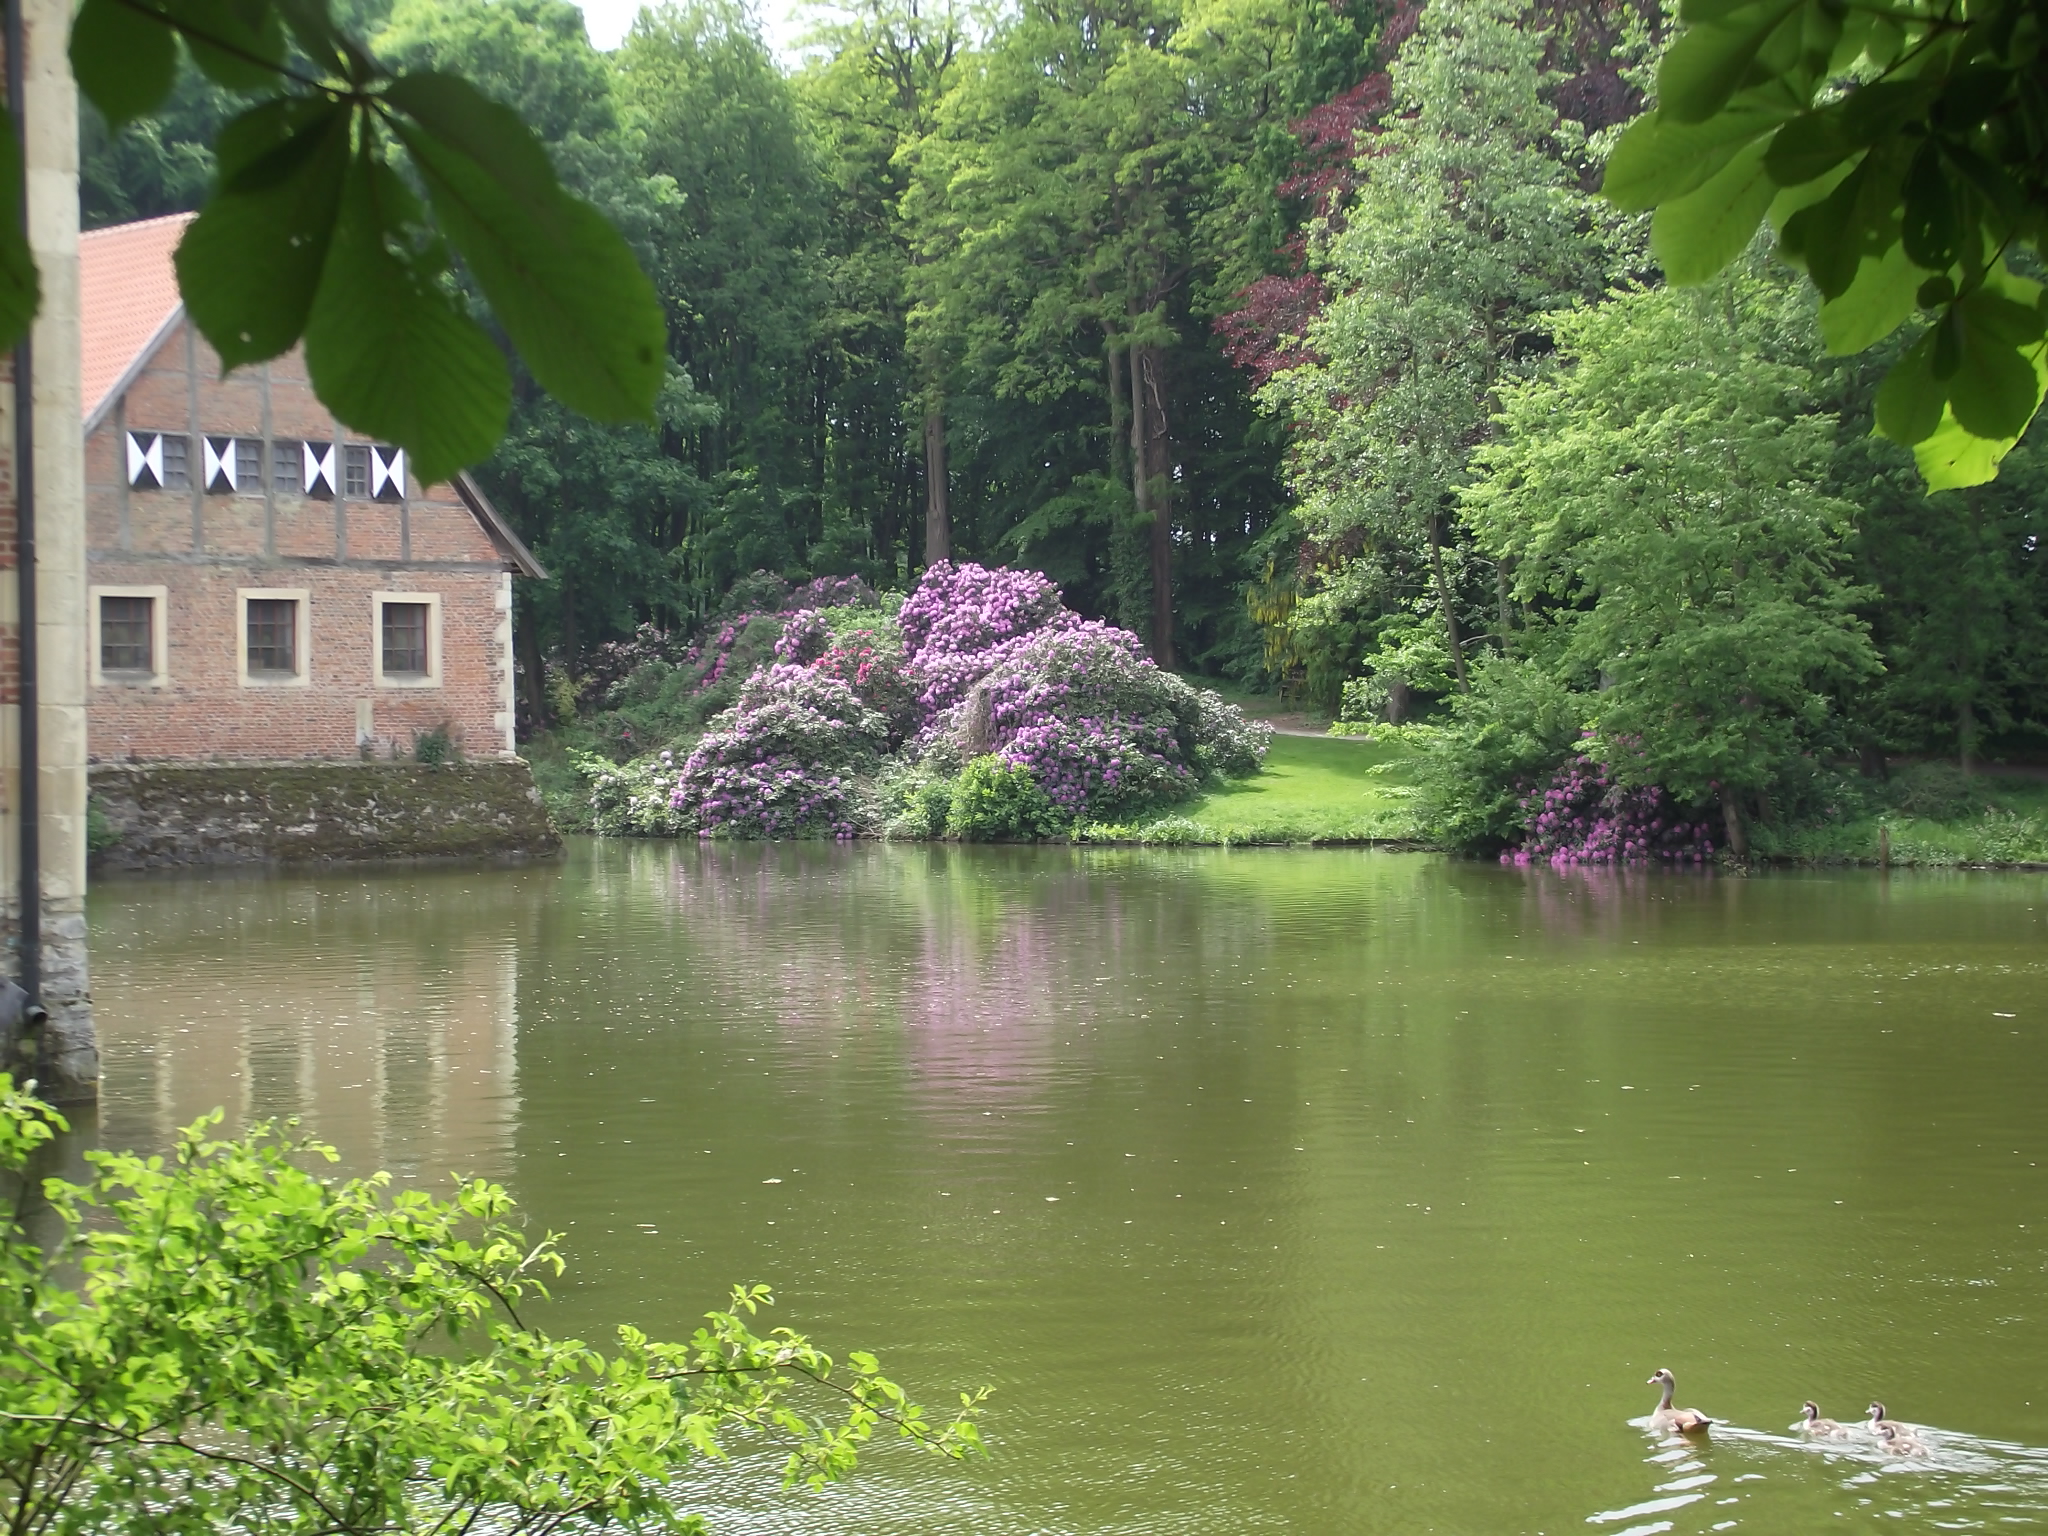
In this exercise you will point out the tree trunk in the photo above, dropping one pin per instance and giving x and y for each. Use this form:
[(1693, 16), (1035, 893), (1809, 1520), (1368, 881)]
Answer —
[(533, 671), (1397, 701), (1731, 818), (1119, 413), (1966, 735), (938, 505), (1153, 481), (1443, 598)]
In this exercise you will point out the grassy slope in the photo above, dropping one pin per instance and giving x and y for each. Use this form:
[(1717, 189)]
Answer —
[(2014, 832), (1316, 789)]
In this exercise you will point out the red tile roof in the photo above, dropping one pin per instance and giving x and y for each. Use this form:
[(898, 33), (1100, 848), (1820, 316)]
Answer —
[(127, 291)]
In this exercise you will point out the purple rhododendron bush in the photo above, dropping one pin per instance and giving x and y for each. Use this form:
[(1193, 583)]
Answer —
[(1106, 733), (1582, 816), (862, 711), (785, 761)]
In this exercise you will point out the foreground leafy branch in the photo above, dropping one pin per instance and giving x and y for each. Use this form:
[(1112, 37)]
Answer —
[(312, 233), (220, 1340), (1898, 151)]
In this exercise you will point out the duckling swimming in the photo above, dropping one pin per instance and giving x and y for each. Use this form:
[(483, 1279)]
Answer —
[(1818, 1427), (1878, 1421), (1685, 1421), (1897, 1442)]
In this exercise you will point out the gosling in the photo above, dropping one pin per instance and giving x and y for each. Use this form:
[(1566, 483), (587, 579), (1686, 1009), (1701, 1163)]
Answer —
[(1897, 1442), (1818, 1427)]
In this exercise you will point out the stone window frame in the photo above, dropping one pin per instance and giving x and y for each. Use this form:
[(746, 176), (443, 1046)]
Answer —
[(159, 637), (378, 676), (302, 636)]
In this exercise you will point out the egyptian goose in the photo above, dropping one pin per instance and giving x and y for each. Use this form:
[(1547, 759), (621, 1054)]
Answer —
[(1685, 1421)]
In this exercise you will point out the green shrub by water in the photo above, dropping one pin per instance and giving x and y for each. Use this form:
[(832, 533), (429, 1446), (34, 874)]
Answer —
[(993, 801)]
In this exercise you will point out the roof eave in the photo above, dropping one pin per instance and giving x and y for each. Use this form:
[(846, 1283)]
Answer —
[(512, 546)]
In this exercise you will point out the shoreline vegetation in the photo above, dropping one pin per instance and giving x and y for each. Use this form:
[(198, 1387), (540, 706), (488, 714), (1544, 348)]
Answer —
[(978, 708)]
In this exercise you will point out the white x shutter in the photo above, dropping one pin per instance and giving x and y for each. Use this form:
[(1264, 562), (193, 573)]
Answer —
[(319, 469), (387, 473), (146, 460), (220, 463)]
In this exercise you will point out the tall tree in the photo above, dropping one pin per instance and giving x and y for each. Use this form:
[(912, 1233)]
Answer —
[(1469, 225), (876, 95), (1663, 498), (738, 264)]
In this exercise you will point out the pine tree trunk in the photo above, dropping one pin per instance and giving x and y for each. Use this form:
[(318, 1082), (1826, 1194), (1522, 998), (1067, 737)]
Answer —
[(1966, 735), (1119, 413), (1452, 637), (533, 671), (1154, 482), (938, 505), (1141, 481)]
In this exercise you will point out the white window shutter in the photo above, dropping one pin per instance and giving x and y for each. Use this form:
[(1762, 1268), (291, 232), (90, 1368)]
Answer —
[(146, 460), (387, 473), (319, 479), (220, 463)]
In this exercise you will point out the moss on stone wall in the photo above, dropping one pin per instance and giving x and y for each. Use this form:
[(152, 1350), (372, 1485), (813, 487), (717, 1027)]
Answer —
[(310, 813)]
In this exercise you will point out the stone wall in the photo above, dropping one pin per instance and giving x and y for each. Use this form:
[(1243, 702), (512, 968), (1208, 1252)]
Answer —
[(167, 815)]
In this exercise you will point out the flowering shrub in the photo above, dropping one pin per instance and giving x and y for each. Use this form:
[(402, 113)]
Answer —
[(1101, 768), (805, 637), (876, 674), (977, 664), (788, 758), (1103, 730), (608, 671), (832, 592), (1583, 817), (1226, 742), (966, 607), (634, 800)]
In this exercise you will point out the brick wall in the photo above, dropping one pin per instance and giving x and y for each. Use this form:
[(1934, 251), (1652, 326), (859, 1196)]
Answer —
[(200, 549)]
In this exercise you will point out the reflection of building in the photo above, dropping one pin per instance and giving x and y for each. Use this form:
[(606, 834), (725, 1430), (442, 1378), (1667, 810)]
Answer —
[(45, 491), (262, 586), (404, 1058)]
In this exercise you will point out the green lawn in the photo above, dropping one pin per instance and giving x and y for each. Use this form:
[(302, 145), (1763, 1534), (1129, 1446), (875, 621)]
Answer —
[(1316, 789)]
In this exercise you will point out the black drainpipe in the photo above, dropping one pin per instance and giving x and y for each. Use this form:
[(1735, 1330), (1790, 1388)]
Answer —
[(25, 568)]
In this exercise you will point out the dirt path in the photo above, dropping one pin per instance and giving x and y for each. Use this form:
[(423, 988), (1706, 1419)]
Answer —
[(1285, 719)]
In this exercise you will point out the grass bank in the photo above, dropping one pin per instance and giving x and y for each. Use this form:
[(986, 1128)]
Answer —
[(2008, 825), (1315, 789), (1325, 790)]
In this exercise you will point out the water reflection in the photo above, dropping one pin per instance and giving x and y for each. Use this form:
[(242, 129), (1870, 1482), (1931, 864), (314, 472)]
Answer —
[(371, 1014), (1318, 1192)]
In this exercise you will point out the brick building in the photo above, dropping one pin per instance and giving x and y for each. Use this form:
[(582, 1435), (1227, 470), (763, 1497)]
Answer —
[(263, 586)]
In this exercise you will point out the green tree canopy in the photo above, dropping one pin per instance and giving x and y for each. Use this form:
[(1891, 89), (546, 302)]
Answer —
[(1662, 498)]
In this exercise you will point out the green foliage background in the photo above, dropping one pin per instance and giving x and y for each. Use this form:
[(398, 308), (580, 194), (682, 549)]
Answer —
[(1489, 471)]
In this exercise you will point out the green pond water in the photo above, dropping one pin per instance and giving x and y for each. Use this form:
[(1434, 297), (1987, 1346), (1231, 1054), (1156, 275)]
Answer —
[(1273, 1191)]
